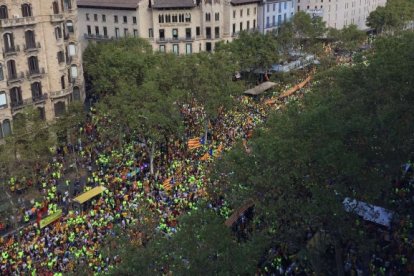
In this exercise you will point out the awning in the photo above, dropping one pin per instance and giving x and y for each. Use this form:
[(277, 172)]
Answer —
[(89, 194), (49, 219), (257, 90)]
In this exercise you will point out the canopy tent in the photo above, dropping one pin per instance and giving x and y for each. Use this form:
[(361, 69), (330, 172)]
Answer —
[(369, 212), (257, 90), (89, 194), (238, 213), (49, 219)]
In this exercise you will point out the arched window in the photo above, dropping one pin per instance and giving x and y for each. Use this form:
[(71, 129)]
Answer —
[(60, 109), (67, 4), (58, 33), (42, 114), (6, 128), (36, 88), (26, 10), (33, 65), (76, 94), (8, 42), (1, 132), (11, 69), (30, 39), (55, 7), (62, 82), (16, 98), (4, 14)]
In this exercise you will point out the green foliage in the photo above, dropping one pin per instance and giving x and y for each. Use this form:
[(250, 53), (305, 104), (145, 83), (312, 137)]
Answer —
[(392, 17), (349, 38)]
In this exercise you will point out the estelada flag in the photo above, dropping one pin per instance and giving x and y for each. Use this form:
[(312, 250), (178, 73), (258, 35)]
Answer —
[(194, 143), (166, 184), (218, 151), (205, 157)]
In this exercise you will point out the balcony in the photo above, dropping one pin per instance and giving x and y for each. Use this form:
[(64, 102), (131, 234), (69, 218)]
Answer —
[(27, 102), (16, 22), (11, 51), (33, 74), (56, 18), (97, 37), (32, 47), (61, 93), (13, 78), (188, 38), (208, 36)]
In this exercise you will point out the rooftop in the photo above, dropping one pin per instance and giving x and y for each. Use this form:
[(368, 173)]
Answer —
[(242, 2), (161, 4), (117, 4)]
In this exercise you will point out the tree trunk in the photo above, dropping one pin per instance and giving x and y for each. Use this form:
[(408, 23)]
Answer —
[(338, 258), (152, 152)]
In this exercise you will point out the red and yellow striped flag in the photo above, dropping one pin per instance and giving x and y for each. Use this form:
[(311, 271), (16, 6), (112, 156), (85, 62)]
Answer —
[(194, 143), (205, 157), (166, 184)]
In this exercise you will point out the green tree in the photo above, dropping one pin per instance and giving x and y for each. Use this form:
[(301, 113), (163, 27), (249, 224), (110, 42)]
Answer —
[(349, 38)]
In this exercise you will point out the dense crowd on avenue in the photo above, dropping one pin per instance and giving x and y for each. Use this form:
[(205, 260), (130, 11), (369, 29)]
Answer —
[(179, 181)]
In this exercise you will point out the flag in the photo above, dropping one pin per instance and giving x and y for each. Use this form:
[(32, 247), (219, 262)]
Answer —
[(194, 143), (166, 184), (218, 151), (205, 157)]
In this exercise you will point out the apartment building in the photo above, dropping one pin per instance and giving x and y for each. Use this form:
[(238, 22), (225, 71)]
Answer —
[(341, 13), (40, 59), (179, 26), (273, 13)]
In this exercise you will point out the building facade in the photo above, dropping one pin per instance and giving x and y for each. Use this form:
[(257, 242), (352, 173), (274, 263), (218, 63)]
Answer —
[(341, 13), (40, 59), (273, 13), (179, 26)]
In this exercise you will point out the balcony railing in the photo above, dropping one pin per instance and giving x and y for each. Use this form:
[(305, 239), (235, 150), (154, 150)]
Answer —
[(208, 36), (32, 47), (39, 72), (61, 93), (13, 78), (11, 51), (26, 102), (174, 39), (18, 21), (55, 18), (97, 37)]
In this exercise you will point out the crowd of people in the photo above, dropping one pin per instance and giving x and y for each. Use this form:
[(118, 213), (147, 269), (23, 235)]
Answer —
[(122, 167)]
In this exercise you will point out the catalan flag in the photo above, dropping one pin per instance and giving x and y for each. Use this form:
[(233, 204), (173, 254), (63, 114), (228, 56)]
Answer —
[(218, 151), (206, 156), (167, 184), (194, 143)]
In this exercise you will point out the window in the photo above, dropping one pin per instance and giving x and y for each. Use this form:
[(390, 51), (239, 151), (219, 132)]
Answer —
[(67, 4), (188, 48), (234, 14), (160, 18), (89, 29), (95, 17), (150, 33), (3, 102), (33, 65), (58, 33), (284, 17), (117, 34), (61, 57), (125, 19), (72, 49), (162, 48), (3, 12), (181, 17), (175, 34), (69, 26), (126, 32), (105, 31), (97, 30), (135, 33), (217, 32), (60, 108), (134, 20), (76, 94), (30, 39), (167, 18), (248, 25), (55, 7), (234, 28), (62, 82), (162, 34), (198, 32), (274, 6), (208, 17), (208, 32), (11, 69), (254, 23), (188, 33), (176, 49), (8, 42), (254, 11), (280, 7), (1, 72), (36, 89), (187, 17), (6, 128), (268, 8), (248, 11), (267, 22), (217, 16), (286, 4), (241, 13), (87, 16), (174, 18), (279, 19), (73, 71), (16, 98), (116, 18), (26, 10), (241, 26), (103, 18)]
